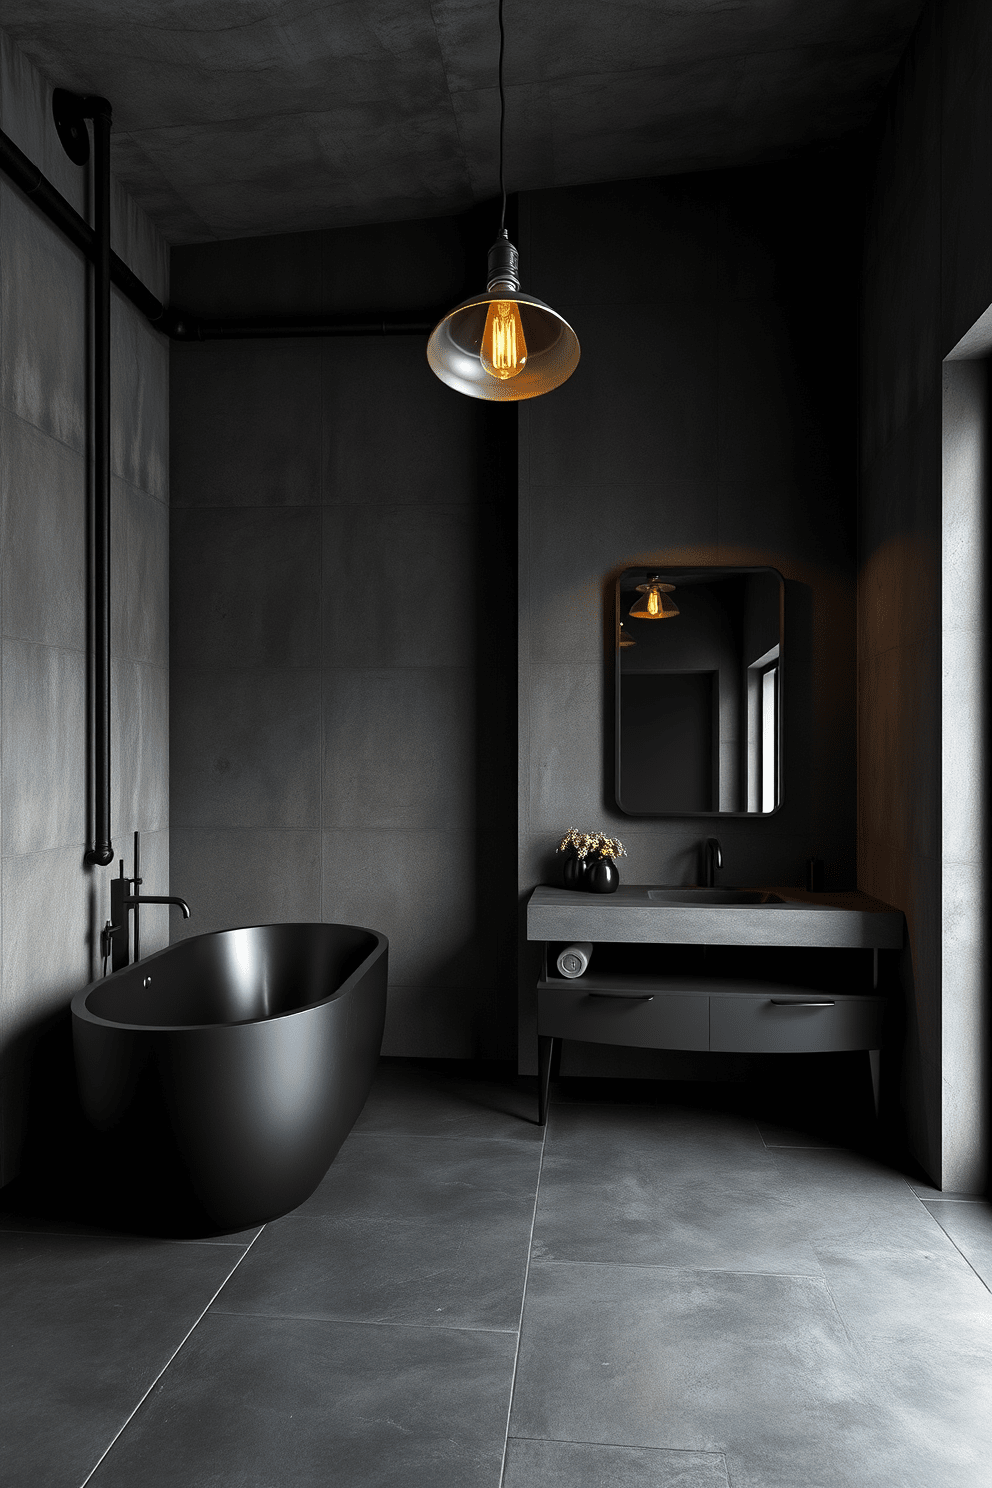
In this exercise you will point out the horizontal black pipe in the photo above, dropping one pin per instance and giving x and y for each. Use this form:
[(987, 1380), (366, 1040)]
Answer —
[(174, 322), (192, 328)]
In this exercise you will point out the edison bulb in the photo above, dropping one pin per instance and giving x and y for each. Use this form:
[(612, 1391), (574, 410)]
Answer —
[(504, 350)]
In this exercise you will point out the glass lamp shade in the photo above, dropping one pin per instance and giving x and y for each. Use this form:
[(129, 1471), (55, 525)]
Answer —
[(655, 605), (503, 346)]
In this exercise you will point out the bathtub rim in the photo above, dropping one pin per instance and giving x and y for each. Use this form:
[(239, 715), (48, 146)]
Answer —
[(79, 1009)]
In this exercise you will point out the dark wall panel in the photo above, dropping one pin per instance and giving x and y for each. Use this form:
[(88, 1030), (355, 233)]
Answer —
[(343, 600), (711, 421)]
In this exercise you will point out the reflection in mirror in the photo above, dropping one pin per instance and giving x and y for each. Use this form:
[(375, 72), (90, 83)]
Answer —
[(699, 691)]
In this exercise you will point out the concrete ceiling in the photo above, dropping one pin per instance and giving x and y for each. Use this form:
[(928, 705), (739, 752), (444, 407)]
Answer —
[(245, 117)]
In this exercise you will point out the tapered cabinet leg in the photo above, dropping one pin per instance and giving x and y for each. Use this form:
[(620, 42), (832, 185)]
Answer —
[(545, 1054), (874, 1057)]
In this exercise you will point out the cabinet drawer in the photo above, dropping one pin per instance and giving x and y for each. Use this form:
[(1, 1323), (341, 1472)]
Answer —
[(658, 1020), (744, 1023)]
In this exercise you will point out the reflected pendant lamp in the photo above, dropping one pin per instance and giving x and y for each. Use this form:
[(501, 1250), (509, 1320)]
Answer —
[(503, 345), (655, 605)]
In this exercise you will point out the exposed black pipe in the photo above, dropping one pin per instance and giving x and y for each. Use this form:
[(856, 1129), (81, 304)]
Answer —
[(98, 109), (178, 324), (249, 328)]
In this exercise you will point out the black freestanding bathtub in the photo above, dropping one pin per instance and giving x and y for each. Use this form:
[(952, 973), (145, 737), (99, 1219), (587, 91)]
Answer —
[(248, 1054)]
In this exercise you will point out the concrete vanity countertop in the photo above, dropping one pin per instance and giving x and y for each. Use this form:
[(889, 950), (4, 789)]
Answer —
[(849, 919)]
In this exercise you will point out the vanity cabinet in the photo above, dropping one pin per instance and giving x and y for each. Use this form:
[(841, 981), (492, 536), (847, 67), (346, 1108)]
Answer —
[(797, 976)]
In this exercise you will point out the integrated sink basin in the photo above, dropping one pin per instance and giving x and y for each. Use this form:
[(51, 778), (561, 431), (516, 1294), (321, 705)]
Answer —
[(710, 897)]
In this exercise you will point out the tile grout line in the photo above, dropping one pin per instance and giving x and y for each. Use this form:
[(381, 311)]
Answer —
[(700, 1270), (181, 1345), (523, 1301), (923, 1205), (355, 1322)]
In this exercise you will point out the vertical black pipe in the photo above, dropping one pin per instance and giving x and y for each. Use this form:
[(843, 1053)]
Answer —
[(98, 109)]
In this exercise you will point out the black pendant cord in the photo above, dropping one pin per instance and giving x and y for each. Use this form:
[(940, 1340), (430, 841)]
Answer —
[(502, 117)]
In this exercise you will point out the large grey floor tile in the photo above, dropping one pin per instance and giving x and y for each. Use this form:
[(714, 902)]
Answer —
[(88, 1324), (554, 1464), (428, 1099), (970, 1227), (921, 1323), (696, 1361), (253, 1402), (674, 1144), (409, 1176), (891, 1218), (402, 1230), (924, 1300), (638, 1217), (822, 1173)]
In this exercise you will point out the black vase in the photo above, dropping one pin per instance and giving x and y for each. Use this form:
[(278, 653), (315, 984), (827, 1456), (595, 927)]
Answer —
[(574, 870), (603, 877)]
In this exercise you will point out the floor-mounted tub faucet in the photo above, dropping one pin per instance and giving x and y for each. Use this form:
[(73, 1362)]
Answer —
[(115, 939), (712, 860)]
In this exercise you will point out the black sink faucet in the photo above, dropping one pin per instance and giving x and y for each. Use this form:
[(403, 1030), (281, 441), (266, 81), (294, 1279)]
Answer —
[(115, 939), (712, 860)]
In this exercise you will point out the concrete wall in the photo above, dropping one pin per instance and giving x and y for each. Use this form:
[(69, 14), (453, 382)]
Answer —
[(711, 421), (927, 281), (342, 597), (51, 905)]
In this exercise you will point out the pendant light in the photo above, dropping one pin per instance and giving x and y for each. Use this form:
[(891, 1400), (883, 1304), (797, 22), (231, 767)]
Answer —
[(655, 605), (503, 345)]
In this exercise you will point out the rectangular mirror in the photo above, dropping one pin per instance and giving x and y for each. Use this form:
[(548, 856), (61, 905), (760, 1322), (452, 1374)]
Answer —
[(699, 656)]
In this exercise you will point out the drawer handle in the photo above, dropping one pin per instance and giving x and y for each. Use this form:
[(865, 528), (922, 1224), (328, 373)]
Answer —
[(782, 1002), (626, 996)]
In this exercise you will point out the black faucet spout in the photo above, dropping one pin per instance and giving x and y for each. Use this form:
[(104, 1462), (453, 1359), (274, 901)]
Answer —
[(159, 899), (712, 860)]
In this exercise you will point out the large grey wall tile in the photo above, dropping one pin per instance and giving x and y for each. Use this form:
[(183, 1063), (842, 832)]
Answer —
[(581, 537), (243, 876), (245, 423), (44, 747), (432, 1022), (399, 586), (139, 548), (140, 744), (245, 587), (245, 748), (47, 959), (392, 433), (416, 887), (652, 417), (399, 747), (567, 775), (42, 281), (26, 115), (139, 382), (678, 260), (43, 580), (765, 423)]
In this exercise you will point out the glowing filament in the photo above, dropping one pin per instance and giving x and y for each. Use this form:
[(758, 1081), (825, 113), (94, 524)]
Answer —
[(504, 350)]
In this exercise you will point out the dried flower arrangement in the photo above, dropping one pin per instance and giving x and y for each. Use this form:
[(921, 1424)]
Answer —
[(591, 844)]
